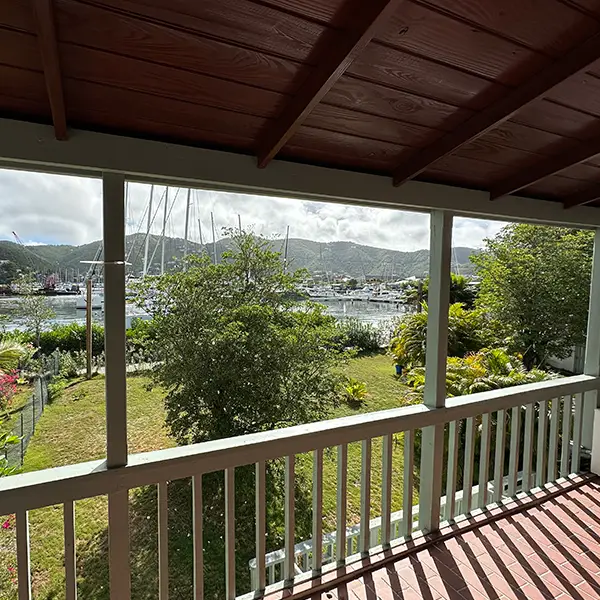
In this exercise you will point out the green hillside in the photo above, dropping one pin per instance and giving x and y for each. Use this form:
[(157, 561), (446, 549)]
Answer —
[(339, 258)]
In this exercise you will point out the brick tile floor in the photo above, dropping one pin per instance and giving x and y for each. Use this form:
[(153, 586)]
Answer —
[(549, 550)]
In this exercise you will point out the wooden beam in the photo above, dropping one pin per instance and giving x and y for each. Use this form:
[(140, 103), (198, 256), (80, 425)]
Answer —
[(48, 44), (535, 87), (362, 21), (585, 197), (531, 174)]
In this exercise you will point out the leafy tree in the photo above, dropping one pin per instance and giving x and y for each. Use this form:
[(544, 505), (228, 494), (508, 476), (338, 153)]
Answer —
[(8, 272), (536, 280), (468, 331), (352, 284), (238, 353), (36, 312)]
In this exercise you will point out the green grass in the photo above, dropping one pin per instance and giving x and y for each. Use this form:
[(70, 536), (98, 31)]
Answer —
[(72, 430), (384, 391)]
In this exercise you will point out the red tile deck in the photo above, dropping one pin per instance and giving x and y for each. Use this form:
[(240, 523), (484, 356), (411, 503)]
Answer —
[(547, 550)]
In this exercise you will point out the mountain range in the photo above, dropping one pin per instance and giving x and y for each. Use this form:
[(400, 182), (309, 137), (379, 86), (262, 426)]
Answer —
[(320, 259)]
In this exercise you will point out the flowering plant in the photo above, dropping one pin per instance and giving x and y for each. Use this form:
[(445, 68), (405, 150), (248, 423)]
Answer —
[(8, 387)]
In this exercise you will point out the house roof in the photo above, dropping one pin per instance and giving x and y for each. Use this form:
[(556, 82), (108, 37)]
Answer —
[(496, 96)]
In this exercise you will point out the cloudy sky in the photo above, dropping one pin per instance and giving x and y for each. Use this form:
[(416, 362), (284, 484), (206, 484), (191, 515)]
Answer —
[(55, 209)]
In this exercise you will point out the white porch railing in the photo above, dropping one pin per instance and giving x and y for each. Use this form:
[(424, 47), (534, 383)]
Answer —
[(303, 552), (543, 446)]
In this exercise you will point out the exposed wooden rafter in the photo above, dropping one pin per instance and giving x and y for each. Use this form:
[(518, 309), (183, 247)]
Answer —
[(48, 44), (585, 197), (535, 87), (534, 173), (362, 19)]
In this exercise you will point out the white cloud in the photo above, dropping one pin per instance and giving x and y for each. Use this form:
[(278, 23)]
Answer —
[(68, 210)]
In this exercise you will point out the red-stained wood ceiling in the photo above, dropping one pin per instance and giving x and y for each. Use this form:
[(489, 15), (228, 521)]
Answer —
[(495, 95)]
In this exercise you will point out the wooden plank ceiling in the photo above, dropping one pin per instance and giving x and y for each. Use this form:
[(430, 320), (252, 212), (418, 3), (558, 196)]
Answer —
[(496, 95)]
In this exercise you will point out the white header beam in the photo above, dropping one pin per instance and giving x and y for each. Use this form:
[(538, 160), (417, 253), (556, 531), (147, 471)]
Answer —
[(33, 147)]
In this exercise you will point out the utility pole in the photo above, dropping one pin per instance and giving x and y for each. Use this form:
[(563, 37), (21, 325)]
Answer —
[(164, 227), (149, 223), (88, 327), (187, 224), (240, 223)]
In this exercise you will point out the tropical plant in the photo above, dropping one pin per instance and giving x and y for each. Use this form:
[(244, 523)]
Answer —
[(11, 354), (536, 281), (488, 369), (482, 371), (461, 291), (468, 331), (354, 392)]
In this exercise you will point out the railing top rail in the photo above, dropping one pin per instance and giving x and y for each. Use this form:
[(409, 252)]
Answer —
[(53, 486)]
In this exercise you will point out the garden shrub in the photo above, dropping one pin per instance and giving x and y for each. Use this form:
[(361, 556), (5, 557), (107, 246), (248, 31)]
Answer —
[(363, 337), (71, 338)]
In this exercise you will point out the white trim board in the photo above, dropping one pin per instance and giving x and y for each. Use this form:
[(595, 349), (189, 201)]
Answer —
[(32, 146)]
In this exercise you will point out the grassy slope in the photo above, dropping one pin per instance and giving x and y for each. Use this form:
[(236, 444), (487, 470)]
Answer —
[(72, 430)]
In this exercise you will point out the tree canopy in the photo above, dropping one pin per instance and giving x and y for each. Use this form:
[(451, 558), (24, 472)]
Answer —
[(536, 280), (238, 353)]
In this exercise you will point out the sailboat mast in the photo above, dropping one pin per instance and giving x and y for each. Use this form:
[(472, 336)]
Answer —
[(212, 223), (148, 225), (164, 227), (187, 224), (285, 254)]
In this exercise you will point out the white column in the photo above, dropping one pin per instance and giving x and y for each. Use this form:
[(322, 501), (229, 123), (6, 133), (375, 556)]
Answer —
[(116, 397), (595, 468), (592, 347), (114, 319), (434, 396)]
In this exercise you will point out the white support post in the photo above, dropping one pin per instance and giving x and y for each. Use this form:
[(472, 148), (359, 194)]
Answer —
[(592, 347), (595, 468), (432, 447), (114, 319), (113, 188)]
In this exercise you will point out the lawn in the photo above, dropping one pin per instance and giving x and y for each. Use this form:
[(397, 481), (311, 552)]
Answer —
[(384, 391), (72, 429)]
